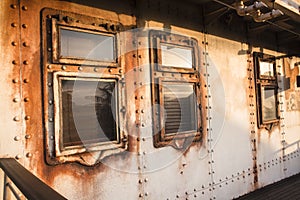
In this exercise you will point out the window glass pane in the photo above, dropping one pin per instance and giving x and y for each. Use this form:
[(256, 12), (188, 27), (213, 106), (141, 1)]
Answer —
[(86, 45), (179, 105), (175, 56), (266, 69), (268, 104), (88, 112)]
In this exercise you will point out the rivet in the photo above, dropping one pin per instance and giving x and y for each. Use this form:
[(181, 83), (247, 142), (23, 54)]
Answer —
[(109, 70), (49, 16), (143, 124), (141, 195), (14, 62), (144, 152), (27, 117), (63, 67), (13, 24), (29, 155), (140, 56), (50, 119), (49, 66), (25, 62), (18, 156), (16, 100), (24, 8), (80, 68), (24, 26), (140, 181), (120, 71), (15, 80), (26, 99), (14, 43), (16, 119), (51, 137), (17, 138), (146, 193), (13, 6), (26, 80), (142, 111), (142, 97), (50, 102), (146, 180), (27, 136), (95, 69), (25, 44)]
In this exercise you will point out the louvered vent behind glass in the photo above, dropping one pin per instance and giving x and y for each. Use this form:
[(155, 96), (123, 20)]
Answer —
[(180, 105)]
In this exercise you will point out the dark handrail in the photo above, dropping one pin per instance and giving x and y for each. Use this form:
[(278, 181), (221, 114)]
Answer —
[(32, 187)]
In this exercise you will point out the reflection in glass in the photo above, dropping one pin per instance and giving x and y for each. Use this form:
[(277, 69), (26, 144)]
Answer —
[(176, 56), (180, 107), (266, 69), (88, 109), (84, 45), (268, 104)]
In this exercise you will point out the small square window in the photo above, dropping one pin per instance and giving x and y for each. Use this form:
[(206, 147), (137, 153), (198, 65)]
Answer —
[(86, 114), (88, 111)]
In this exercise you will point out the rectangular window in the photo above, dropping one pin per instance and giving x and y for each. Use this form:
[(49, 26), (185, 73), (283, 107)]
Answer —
[(176, 89), (269, 110), (180, 107), (88, 111), (176, 56), (83, 83), (266, 87), (85, 45)]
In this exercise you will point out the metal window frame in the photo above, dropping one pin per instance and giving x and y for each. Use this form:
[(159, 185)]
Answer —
[(171, 39), (58, 117), (184, 134), (87, 69), (264, 81), (160, 74), (271, 86), (57, 25)]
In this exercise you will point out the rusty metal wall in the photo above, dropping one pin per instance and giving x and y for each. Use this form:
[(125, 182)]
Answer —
[(235, 158)]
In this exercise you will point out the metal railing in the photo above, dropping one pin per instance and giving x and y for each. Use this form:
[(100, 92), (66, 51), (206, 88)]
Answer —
[(30, 186)]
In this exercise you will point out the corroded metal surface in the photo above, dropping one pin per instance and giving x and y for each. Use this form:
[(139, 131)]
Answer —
[(232, 158)]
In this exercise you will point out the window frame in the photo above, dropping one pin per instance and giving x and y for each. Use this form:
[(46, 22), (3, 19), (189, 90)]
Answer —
[(57, 25), (170, 39), (178, 135), (58, 117), (161, 74), (87, 69), (262, 81)]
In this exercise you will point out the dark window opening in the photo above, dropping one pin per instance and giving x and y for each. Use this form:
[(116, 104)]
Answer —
[(180, 111), (88, 112)]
